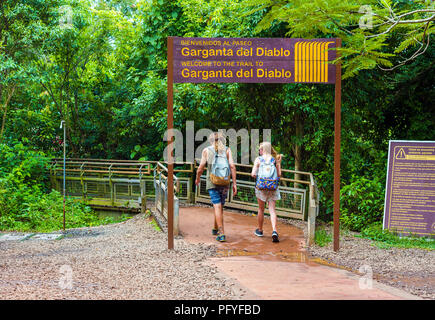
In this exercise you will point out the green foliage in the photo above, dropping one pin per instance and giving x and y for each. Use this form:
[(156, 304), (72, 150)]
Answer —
[(373, 32), (25, 204), (155, 226), (106, 76), (386, 239), (322, 237), (22, 166), (362, 203), (36, 211)]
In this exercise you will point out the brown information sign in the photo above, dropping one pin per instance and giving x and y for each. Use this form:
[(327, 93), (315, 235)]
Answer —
[(410, 189), (255, 60)]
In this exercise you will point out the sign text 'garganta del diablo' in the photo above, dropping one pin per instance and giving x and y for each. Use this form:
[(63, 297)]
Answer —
[(254, 60)]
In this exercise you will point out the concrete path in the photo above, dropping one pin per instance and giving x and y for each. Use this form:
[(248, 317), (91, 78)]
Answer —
[(266, 270)]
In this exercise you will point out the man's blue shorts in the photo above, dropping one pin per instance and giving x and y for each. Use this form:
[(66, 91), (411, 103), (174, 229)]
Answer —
[(218, 195)]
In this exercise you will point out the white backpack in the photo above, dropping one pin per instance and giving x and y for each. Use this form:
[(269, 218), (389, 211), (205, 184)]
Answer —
[(220, 169)]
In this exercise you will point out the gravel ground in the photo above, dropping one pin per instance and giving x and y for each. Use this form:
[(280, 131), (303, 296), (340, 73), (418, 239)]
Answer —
[(412, 270), (128, 260)]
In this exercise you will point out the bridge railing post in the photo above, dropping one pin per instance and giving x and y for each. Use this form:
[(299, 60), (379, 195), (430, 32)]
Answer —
[(82, 181), (112, 188), (156, 189), (176, 210), (143, 198), (190, 187), (163, 195), (313, 210), (143, 203)]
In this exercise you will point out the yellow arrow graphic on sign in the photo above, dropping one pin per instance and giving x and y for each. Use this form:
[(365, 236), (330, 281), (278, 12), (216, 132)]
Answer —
[(311, 61)]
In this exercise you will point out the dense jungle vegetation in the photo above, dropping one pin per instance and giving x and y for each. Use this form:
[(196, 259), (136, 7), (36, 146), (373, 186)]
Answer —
[(101, 66)]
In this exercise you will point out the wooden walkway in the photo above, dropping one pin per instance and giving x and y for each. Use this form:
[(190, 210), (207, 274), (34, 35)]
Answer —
[(127, 185)]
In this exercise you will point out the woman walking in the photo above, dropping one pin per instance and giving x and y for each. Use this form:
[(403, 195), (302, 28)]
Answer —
[(267, 171), (220, 168)]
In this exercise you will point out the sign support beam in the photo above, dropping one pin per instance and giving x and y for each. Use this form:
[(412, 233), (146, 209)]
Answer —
[(337, 145), (170, 180)]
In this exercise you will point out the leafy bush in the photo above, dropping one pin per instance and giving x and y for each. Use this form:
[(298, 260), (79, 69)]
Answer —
[(362, 203), (322, 237), (25, 204), (375, 232), (20, 165), (44, 213)]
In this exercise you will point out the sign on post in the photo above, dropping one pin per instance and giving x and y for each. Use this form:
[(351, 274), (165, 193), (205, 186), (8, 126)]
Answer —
[(255, 60), (410, 190)]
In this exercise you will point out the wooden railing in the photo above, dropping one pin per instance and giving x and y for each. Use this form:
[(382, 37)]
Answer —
[(126, 184), (161, 194)]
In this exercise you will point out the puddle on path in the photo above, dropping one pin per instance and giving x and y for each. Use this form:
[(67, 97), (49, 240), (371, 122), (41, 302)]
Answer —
[(235, 253), (295, 257), (241, 242)]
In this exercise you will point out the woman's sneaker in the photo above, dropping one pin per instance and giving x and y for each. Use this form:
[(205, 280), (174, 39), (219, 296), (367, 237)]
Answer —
[(258, 233), (275, 237), (221, 238), (214, 232)]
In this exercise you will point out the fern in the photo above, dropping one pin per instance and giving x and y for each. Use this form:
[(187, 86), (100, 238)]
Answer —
[(362, 48)]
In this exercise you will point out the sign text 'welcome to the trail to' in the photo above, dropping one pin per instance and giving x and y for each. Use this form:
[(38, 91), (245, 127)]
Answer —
[(254, 60)]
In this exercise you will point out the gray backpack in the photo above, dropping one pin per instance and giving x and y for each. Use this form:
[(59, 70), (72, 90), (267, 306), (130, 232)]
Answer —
[(220, 169)]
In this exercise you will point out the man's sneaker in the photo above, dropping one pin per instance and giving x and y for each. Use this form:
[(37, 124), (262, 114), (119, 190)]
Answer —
[(258, 233), (214, 232), (221, 238), (275, 237)]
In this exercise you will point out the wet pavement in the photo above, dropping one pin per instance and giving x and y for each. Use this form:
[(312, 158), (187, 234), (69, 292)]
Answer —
[(284, 270)]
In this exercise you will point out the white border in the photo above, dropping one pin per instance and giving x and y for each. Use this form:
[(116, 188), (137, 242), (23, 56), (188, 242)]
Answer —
[(386, 183)]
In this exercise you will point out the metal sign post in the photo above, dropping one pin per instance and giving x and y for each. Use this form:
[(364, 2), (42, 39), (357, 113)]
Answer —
[(254, 60), (170, 144), (63, 124), (337, 145)]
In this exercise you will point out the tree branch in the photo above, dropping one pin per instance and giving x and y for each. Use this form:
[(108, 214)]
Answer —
[(53, 98), (415, 55)]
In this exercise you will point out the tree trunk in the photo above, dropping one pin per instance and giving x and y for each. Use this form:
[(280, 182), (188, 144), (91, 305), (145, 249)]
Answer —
[(5, 109)]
